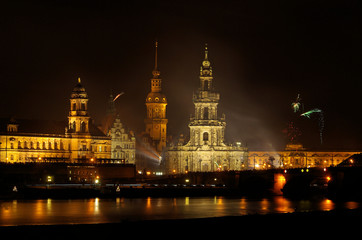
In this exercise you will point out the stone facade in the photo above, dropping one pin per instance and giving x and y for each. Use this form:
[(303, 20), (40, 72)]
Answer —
[(123, 143), (75, 140), (206, 150)]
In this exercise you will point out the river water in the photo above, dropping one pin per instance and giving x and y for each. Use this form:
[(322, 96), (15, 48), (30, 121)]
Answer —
[(96, 210)]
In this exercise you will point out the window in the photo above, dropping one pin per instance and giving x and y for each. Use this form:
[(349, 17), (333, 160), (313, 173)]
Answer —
[(19, 144), (74, 107), (44, 145), (82, 127), (206, 113), (206, 136)]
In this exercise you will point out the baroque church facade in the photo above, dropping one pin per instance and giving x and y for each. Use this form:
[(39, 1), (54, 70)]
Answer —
[(206, 150)]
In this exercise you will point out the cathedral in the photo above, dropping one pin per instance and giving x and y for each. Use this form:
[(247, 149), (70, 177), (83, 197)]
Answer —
[(206, 150)]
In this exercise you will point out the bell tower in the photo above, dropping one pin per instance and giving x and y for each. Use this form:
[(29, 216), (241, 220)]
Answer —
[(78, 118), (156, 102), (206, 128)]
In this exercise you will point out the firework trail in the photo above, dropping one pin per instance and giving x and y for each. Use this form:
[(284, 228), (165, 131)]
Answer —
[(320, 122), (120, 94)]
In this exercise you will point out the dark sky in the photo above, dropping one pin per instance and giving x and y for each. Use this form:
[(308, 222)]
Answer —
[(263, 54)]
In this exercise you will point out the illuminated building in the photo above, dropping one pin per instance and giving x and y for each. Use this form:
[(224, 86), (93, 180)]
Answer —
[(296, 156), (152, 141), (123, 143), (206, 150), (75, 140), (156, 102)]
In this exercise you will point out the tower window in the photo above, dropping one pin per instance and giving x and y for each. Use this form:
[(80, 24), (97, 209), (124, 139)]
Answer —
[(206, 136), (82, 127), (74, 107), (206, 113), (82, 106)]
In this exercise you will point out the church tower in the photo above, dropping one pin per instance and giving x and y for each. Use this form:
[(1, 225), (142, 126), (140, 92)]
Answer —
[(156, 102), (206, 128), (78, 115), (206, 151)]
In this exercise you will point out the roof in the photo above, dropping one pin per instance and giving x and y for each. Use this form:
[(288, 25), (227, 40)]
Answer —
[(36, 126)]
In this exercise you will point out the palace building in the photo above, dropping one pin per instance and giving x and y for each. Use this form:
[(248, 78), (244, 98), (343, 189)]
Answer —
[(206, 150), (77, 140), (296, 156)]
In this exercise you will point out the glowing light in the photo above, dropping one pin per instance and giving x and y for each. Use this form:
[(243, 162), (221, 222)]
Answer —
[(120, 94), (49, 179), (296, 105)]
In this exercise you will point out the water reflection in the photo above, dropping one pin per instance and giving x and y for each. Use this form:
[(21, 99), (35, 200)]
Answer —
[(50, 211)]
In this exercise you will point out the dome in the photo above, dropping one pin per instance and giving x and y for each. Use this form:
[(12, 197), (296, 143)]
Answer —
[(79, 91), (156, 97)]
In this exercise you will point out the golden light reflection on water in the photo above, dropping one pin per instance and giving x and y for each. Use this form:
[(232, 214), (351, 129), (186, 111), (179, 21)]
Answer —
[(351, 205), (283, 205), (326, 205), (50, 211)]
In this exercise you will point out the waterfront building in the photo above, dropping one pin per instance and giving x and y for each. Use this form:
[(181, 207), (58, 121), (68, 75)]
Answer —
[(296, 156), (76, 140), (123, 143), (206, 150)]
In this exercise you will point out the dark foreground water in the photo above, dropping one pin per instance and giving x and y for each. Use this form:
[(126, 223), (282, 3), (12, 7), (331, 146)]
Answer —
[(96, 210)]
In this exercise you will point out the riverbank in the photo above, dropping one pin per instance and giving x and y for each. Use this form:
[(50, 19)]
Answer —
[(343, 221)]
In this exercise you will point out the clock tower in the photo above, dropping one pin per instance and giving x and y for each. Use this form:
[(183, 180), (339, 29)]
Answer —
[(156, 102)]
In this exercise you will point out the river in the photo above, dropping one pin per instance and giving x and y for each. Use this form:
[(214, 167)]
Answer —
[(98, 210)]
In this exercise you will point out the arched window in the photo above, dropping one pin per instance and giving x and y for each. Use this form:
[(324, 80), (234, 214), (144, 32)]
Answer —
[(206, 136), (74, 108), (72, 126), (82, 127)]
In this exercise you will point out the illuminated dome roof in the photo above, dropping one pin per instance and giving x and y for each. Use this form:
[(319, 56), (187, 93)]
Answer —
[(79, 91), (156, 97)]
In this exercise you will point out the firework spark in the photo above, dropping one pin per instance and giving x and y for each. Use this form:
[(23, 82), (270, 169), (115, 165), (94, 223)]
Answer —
[(296, 105), (320, 118), (120, 94)]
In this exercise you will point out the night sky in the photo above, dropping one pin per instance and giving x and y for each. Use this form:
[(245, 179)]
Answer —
[(263, 54)]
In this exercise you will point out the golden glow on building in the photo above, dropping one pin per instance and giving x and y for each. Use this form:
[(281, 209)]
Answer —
[(156, 102), (26, 140)]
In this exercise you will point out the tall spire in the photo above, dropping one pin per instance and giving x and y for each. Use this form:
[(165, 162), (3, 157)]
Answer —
[(155, 71)]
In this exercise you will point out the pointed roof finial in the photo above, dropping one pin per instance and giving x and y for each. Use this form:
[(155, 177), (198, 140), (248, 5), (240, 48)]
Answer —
[(156, 44), (78, 79), (206, 51), (155, 71)]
